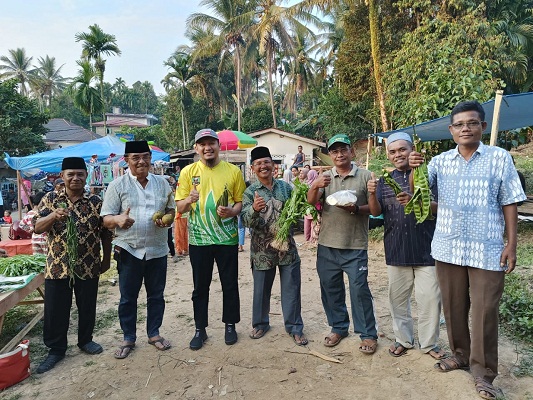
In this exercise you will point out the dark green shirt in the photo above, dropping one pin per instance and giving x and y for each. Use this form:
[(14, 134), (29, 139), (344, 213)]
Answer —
[(263, 225)]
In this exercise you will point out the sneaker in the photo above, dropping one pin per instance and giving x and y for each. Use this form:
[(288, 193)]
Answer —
[(49, 363), (200, 336), (230, 337)]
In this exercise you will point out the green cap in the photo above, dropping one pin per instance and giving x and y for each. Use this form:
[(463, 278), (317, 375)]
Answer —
[(340, 138)]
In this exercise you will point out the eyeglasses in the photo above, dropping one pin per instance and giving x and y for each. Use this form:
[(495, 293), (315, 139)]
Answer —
[(136, 159), (266, 163), (342, 151), (470, 124)]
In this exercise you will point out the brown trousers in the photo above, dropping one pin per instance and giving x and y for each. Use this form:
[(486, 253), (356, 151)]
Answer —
[(181, 236), (464, 289)]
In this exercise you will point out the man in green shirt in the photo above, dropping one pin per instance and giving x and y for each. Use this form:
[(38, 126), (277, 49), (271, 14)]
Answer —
[(262, 205)]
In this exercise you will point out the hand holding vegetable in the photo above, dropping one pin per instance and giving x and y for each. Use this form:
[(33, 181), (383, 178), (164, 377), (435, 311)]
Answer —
[(416, 159), (123, 220), (61, 213), (259, 203), (403, 198)]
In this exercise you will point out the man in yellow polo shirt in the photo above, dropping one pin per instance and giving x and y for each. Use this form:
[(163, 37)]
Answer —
[(211, 191)]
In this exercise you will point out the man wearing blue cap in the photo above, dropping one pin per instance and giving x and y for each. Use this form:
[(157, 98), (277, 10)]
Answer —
[(408, 256), (342, 248)]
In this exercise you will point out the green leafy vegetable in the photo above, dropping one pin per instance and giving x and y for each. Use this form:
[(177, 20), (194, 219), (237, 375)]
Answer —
[(22, 264)]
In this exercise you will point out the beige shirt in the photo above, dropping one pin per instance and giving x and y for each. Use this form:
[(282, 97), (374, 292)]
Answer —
[(339, 228)]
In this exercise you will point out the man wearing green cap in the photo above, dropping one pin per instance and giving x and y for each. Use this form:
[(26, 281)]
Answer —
[(342, 247)]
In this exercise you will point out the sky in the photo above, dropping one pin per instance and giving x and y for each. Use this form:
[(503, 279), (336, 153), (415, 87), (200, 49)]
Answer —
[(147, 33)]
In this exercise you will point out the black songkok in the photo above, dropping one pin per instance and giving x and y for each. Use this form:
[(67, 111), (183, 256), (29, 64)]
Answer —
[(73, 163), (260, 152), (139, 146)]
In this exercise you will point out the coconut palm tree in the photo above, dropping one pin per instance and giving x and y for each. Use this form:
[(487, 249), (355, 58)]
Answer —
[(181, 72), (17, 66), (272, 30), (47, 80), (86, 96), (95, 44), (230, 25)]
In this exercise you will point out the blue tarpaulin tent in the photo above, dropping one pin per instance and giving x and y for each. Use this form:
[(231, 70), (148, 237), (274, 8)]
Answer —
[(50, 161), (515, 112)]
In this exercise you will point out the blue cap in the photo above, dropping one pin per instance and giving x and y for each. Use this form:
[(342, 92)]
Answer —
[(399, 136)]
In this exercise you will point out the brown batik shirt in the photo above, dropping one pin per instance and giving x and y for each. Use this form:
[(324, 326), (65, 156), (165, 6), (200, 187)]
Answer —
[(85, 213)]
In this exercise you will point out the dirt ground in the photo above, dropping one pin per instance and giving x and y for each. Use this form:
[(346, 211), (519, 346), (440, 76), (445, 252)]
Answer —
[(271, 367)]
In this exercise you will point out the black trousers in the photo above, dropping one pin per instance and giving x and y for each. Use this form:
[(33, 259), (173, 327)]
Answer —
[(202, 261), (57, 305), (170, 242)]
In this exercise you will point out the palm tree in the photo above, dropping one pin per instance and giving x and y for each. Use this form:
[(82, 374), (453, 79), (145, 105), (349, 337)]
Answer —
[(180, 74), (230, 39), (47, 80), (273, 31), (95, 44), (86, 96), (17, 66)]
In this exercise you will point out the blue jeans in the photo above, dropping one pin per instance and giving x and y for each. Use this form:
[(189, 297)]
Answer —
[(331, 266), (242, 231), (132, 272)]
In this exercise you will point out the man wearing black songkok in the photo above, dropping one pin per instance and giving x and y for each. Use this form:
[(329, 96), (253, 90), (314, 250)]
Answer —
[(75, 236)]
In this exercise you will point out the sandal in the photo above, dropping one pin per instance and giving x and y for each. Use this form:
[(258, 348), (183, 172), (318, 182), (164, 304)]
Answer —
[(370, 344), (450, 364), (333, 339), (299, 339), (258, 333), (437, 353), (486, 390), (165, 344), (395, 347), (124, 351)]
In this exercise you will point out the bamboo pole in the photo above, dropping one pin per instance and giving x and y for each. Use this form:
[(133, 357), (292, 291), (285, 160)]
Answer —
[(368, 146), (496, 117)]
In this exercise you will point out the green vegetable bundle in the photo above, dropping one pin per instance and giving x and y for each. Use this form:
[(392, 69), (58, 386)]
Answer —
[(420, 203), (22, 265), (72, 247), (293, 210), (389, 180)]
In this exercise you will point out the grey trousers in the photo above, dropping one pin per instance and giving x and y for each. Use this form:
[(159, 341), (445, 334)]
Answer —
[(291, 300), (402, 280)]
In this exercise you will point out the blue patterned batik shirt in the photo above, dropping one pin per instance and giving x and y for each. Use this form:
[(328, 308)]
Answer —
[(470, 223)]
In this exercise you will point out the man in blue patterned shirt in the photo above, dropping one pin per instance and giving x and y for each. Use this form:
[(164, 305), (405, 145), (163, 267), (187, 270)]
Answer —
[(478, 189), (262, 205)]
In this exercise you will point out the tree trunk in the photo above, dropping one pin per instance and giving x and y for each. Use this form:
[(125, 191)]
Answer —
[(103, 100), (238, 84), (375, 49), (270, 88), (183, 122)]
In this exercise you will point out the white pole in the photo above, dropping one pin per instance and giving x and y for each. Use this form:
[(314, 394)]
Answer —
[(496, 117)]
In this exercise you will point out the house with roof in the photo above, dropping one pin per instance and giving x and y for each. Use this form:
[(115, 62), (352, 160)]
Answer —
[(283, 146), (62, 133), (116, 120)]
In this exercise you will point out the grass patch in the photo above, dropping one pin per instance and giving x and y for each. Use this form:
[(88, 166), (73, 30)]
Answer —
[(376, 234), (16, 319), (525, 365), (524, 254), (516, 307), (106, 319)]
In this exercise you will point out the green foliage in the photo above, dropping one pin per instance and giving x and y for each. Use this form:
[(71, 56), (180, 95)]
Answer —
[(525, 367), (63, 107), (21, 122), (442, 62), (256, 117), (376, 234), (525, 165), (516, 306), (153, 133), (524, 254)]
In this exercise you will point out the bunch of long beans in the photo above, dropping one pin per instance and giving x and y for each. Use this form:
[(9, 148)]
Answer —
[(72, 246), (420, 203)]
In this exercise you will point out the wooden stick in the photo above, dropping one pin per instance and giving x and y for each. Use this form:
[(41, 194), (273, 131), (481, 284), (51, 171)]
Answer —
[(148, 380)]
